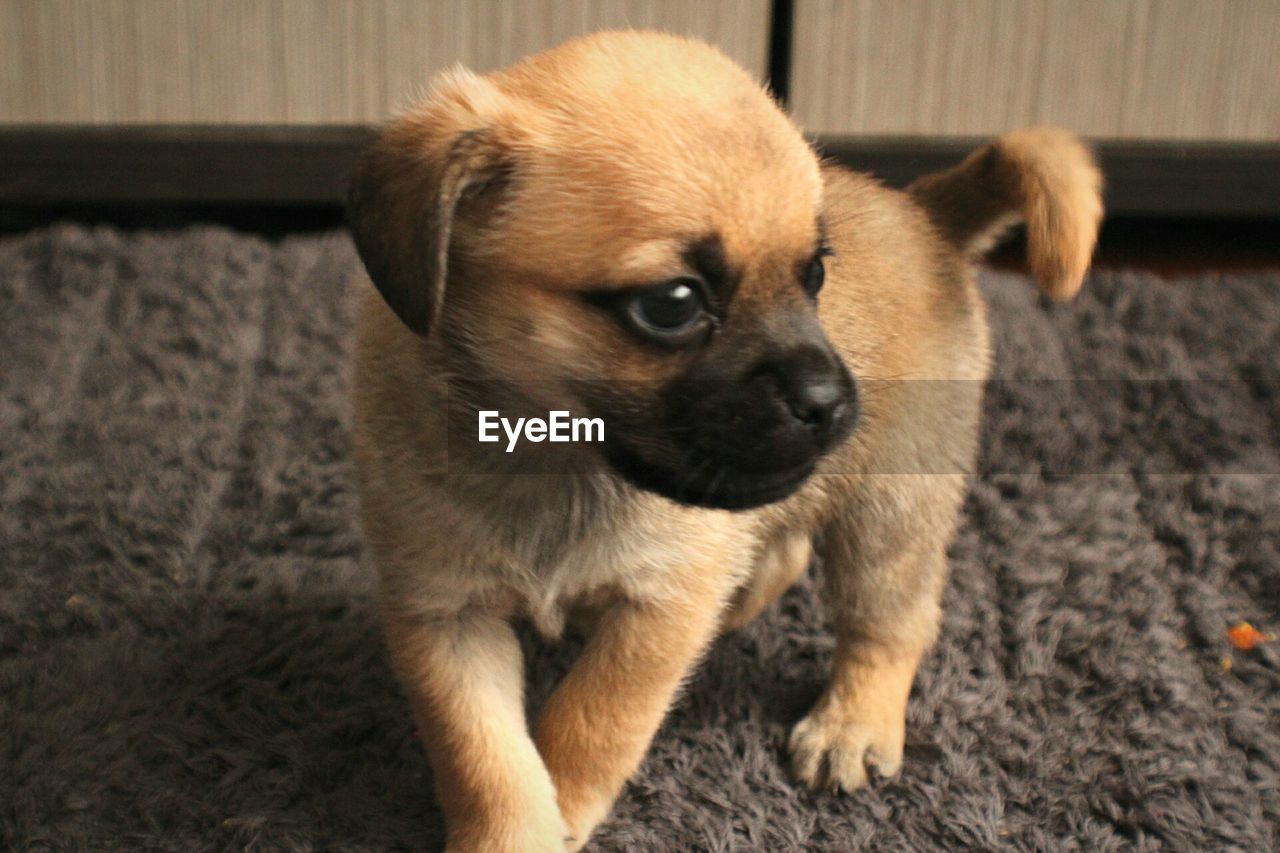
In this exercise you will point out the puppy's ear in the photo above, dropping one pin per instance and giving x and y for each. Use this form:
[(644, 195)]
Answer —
[(408, 186), (1041, 175)]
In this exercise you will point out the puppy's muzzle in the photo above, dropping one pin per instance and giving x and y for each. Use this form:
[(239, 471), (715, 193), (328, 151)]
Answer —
[(749, 422), (775, 420), (754, 434), (815, 395)]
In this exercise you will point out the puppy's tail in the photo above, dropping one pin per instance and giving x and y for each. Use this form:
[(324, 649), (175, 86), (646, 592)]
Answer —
[(1043, 176)]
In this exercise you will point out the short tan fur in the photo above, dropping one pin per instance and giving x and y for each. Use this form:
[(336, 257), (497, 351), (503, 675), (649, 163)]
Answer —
[(489, 217)]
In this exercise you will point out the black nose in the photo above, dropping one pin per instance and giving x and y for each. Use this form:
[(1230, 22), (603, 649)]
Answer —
[(816, 389), (817, 402)]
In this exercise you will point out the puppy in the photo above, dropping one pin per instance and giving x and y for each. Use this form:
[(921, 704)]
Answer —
[(781, 353)]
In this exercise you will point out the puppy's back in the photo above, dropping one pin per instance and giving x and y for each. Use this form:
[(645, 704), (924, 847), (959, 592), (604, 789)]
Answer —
[(899, 302)]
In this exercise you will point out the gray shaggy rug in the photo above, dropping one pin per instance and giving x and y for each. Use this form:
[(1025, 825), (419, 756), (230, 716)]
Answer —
[(189, 659)]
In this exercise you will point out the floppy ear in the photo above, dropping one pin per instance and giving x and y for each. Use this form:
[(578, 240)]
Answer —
[(407, 186)]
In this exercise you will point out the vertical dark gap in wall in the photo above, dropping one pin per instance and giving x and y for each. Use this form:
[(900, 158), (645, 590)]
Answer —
[(782, 15)]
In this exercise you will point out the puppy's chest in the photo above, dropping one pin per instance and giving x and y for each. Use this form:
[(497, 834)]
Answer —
[(540, 539), (554, 571), (560, 555), (540, 523)]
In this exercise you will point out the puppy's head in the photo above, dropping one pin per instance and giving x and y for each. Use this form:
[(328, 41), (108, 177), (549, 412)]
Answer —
[(628, 228)]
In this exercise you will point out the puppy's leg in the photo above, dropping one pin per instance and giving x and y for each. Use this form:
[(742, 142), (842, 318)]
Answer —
[(780, 565), (884, 571), (464, 677), (596, 727)]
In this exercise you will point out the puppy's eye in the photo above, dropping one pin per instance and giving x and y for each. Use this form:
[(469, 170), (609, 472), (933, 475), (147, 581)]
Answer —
[(670, 310), (815, 274)]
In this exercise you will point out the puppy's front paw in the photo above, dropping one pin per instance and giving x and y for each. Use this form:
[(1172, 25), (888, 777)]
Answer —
[(835, 747), (534, 826), (525, 839)]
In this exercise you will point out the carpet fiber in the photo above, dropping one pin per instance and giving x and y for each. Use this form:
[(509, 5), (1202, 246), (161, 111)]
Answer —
[(189, 658)]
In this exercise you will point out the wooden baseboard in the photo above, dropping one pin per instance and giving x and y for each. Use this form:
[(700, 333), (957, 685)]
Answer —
[(307, 166), (1150, 179), (178, 164)]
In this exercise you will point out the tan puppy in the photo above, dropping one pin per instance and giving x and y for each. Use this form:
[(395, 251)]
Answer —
[(627, 228)]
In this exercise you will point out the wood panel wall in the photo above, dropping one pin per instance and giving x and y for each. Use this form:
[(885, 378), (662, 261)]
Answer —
[(300, 61), (1116, 69)]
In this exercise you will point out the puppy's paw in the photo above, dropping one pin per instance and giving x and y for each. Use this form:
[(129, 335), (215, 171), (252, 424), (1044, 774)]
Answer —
[(837, 747), (530, 839), (538, 829)]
